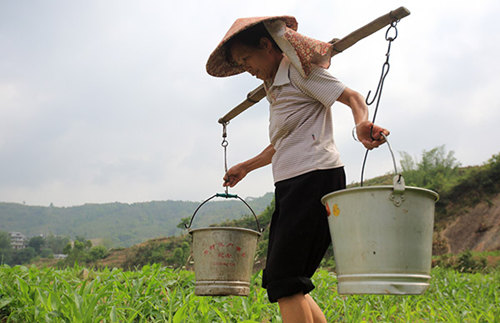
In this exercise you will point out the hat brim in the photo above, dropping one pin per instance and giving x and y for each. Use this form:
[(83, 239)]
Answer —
[(218, 64)]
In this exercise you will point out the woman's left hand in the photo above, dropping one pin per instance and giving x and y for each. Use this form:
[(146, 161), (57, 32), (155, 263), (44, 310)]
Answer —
[(369, 134)]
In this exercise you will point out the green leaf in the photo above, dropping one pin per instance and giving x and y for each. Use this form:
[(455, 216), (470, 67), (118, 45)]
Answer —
[(112, 314), (4, 301), (180, 316)]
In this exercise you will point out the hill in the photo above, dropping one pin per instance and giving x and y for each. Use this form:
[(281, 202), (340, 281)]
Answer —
[(467, 218), (121, 224)]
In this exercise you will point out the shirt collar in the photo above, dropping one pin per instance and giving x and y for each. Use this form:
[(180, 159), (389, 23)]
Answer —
[(281, 77)]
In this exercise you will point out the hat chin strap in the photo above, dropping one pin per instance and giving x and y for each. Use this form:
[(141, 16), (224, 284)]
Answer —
[(276, 29)]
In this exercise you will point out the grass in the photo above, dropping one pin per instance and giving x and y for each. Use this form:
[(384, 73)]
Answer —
[(159, 294)]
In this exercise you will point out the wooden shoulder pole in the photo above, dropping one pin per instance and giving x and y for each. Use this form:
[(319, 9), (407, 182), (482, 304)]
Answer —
[(368, 29), (338, 46)]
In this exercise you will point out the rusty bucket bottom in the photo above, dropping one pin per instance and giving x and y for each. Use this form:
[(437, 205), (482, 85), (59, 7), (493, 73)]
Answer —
[(222, 288)]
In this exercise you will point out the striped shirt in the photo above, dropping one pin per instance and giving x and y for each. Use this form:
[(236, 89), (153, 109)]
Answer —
[(300, 121)]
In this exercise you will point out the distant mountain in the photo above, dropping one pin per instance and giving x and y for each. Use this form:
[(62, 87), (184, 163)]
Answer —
[(467, 217), (121, 224)]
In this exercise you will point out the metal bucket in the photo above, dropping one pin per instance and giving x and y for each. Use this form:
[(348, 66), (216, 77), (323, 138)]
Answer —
[(223, 257), (382, 238)]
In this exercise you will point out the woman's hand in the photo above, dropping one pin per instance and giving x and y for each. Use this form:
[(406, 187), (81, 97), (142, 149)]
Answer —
[(234, 175), (238, 171), (369, 134)]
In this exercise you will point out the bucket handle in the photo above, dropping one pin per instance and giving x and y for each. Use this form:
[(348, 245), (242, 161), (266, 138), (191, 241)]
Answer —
[(398, 181), (225, 195), (397, 197)]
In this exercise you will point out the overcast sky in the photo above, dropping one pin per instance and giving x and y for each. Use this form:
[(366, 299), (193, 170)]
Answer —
[(104, 101)]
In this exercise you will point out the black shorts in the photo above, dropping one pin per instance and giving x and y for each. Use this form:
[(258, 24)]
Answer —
[(299, 235)]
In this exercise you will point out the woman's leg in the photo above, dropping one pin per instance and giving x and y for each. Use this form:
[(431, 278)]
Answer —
[(300, 308), (295, 309), (317, 313)]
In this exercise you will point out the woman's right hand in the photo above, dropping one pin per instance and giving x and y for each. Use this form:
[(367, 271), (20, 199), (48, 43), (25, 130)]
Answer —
[(234, 175)]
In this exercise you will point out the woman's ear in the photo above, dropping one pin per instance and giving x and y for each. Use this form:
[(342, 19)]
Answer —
[(265, 43)]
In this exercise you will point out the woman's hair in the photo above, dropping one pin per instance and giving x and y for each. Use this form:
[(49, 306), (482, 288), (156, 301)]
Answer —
[(251, 38)]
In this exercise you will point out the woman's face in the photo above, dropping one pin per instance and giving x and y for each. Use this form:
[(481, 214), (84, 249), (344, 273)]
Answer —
[(261, 62)]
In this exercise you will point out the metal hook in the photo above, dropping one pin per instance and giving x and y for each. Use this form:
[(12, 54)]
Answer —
[(378, 93), (385, 69), (393, 26), (224, 144)]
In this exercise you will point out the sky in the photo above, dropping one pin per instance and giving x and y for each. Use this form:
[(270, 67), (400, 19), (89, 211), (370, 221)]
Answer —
[(109, 101)]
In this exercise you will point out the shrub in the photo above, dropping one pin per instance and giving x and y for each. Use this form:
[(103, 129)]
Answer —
[(464, 262)]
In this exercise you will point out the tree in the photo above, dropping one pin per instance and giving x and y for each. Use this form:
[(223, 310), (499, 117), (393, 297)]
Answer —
[(56, 243), (23, 256), (82, 251), (67, 248), (86, 243), (5, 248), (37, 243), (76, 253), (98, 252), (437, 170), (183, 223), (46, 253), (4, 240)]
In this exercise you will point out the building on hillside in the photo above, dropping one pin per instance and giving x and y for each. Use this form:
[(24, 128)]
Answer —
[(18, 240), (60, 256)]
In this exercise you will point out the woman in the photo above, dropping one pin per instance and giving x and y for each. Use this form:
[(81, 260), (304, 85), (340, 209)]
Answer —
[(305, 161)]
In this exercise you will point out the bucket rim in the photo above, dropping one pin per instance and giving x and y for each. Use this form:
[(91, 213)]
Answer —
[(191, 231), (378, 187)]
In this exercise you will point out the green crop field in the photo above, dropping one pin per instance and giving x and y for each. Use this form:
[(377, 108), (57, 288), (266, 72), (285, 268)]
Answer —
[(159, 294)]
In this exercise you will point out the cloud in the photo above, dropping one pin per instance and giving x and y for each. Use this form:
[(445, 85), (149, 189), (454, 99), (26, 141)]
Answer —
[(110, 101)]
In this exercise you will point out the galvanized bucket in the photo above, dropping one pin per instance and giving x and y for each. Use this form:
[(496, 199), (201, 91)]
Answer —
[(223, 257), (382, 238)]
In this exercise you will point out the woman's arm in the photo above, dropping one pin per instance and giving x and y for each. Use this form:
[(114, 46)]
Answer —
[(363, 126), (238, 171)]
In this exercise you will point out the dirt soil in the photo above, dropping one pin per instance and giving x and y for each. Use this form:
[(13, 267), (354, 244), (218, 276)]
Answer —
[(476, 229), (116, 258)]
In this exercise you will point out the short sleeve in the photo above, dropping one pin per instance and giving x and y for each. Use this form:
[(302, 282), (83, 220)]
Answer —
[(319, 85)]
